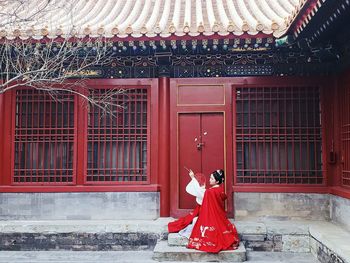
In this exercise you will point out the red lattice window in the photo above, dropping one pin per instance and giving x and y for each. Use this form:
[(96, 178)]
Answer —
[(278, 136), (345, 135), (117, 145), (44, 138)]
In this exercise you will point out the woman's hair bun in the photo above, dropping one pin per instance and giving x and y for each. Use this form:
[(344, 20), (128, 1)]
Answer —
[(219, 176)]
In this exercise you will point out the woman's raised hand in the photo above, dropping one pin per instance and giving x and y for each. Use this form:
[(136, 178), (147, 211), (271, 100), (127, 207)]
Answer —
[(191, 174)]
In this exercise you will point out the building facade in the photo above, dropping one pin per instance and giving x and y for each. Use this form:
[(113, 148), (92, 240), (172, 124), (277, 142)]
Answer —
[(272, 111)]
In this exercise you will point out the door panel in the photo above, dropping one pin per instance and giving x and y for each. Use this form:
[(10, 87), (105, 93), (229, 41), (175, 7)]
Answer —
[(189, 156), (213, 139), (201, 148)]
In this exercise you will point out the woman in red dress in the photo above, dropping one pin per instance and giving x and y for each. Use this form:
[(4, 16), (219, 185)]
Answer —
[(212, 231)]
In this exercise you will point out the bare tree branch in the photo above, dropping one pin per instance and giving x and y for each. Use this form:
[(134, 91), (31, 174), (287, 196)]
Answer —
[(52, 65)]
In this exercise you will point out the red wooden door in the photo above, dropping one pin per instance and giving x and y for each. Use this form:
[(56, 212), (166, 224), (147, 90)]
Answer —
[(201, 148)]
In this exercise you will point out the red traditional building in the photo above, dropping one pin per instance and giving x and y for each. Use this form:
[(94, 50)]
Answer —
[(258, 88)]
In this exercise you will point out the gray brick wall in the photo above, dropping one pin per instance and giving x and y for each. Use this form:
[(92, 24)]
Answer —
[(79, 206), (340, 210), (281, 206)]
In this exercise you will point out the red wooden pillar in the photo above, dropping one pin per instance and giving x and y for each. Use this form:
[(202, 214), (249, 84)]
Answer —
[(2, 121), (80, 157), (164, 145), (6, 133)]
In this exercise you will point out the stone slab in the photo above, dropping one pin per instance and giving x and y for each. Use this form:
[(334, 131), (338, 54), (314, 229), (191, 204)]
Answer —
[(132, 257), (164, 252), (288, 227), (85, 226), (333, 237), (250, 228)]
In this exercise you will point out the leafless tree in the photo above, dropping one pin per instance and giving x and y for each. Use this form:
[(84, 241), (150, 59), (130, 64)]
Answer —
[(60, 64)]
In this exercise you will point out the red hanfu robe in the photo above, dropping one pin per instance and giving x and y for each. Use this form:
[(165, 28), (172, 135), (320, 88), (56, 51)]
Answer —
[(213, 232), (182, 222)]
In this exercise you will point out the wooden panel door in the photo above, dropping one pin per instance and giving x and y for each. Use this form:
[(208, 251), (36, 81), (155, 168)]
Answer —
[(200, 147)]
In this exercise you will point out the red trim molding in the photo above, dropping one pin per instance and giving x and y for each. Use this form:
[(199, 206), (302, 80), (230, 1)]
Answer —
[(281, 189), (80, 188), (340, 191)]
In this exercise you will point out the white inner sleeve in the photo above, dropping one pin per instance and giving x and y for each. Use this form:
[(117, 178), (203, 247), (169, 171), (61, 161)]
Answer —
[(193, 188)]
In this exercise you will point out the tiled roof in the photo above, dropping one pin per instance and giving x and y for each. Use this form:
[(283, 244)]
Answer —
[(136, 18)]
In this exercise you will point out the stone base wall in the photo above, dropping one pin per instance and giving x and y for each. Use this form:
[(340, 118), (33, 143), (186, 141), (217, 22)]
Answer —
[(340, 210), (281, 206), (79, 206), (78, 241)]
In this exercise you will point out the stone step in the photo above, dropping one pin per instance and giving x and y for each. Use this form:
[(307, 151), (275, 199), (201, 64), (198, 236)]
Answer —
[(164, 252), (174, 239), (93, 235)]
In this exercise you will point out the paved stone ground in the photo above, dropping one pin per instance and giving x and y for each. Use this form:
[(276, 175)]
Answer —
[(132, 257)]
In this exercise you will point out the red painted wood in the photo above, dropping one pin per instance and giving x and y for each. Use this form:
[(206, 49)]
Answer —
[(164, 143), (344, 109), (189, 130), (2, 121), (340, 191), (79, 188), (155, 135), (206, 94), (229, 109), (230, 148), (80, 153), (212, 132), (8, 137), (153, 132), (281, 189)]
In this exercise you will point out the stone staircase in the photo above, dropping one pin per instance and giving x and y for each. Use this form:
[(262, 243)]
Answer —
[(174, 249), (328, 242)]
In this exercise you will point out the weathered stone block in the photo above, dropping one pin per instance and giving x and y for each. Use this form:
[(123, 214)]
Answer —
[(266, 245), (296, 243), (174, 239), (78, 241)]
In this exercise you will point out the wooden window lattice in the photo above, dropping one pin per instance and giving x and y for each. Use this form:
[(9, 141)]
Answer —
[(278, 136), (117, 145), (44, 138)]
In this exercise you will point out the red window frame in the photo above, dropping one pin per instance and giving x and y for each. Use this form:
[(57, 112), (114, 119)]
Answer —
[(259, 137), (109, 178), (80, 146), (41, 135)]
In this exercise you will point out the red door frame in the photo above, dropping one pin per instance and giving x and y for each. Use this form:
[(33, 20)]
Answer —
[(176, 109), (194, 158)]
